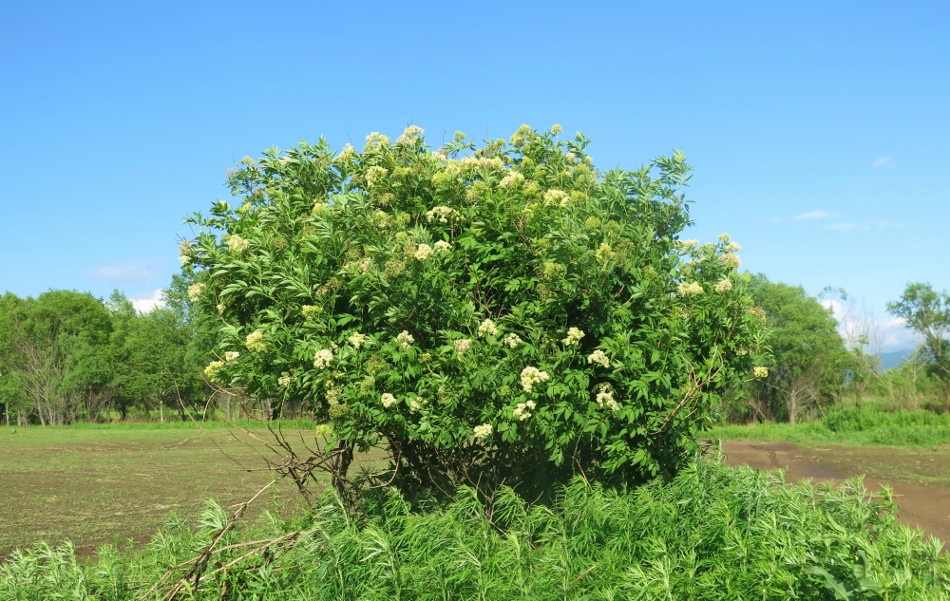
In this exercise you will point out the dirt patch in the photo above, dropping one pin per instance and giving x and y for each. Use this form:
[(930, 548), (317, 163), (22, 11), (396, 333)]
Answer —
[(917, 477)]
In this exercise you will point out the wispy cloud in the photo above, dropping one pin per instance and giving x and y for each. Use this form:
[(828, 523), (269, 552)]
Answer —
[(147, 301), (817, 215), (881, 162), (130, 273)]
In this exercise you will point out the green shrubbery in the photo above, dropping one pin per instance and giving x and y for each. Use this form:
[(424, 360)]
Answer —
[(511, 315), (710, 533)]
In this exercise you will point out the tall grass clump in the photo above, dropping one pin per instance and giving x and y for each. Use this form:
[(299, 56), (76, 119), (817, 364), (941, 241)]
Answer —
[(712, 532)]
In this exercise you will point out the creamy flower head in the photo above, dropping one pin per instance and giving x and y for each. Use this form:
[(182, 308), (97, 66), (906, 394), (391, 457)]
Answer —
[(357, 339), (441, 214), (411, 133), (442, 246), (523, 410), (760, 372), (487, 328), (237, 244), (388, 400), (599, 357), (255, 341), (605, 400), (323, 358), (554, 197), (376, 139), (512, 340), (733, 247), (731, 260), (689, 289), (556, 129), (481, 432), (423, 252), (511, 181), (231, 356), (573, 336), (347, 154), (212, 369), (375, 175), (687, 244), (185, 259), (405, 340), (195, 291), (285, 379), (531, 376), (461, 346), (416, 403), (724, 238), (724, 285)]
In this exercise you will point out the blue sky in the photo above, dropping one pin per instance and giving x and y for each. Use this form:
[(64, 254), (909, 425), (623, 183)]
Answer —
[(819, 132)]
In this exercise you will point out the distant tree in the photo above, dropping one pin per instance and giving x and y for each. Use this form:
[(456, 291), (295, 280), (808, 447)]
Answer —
[(927, 312), (150, 354), (808, 354), (57, 353)]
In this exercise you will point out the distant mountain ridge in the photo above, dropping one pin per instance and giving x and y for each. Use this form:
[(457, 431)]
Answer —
[(894, 359)]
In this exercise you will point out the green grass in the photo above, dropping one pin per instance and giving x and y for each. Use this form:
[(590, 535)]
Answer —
[(712, 533), (854, 427)]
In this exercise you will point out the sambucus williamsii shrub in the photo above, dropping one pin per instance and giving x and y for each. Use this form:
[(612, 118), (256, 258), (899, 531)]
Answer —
[(502, 315)]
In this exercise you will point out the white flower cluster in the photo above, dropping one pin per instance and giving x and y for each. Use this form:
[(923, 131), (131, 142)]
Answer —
[(405, 340), (523, 410), (417, 403), (375, 175), (599, 357), (442, 246), (423, 252), (195, 291), (687, 244), (487, 328), (733, 247), (231, 356), (731, 260), (482, 431), (689, 289), (285, 379), (461, 346), (760, 372), (347, 154), (212, 369), (512, 180), (512, 340), (724, 285), (441, 213), (573, 336), (255, 341), (323, 358), (411, 133), (555, 197), (237, 244), (482, 163), (357, 339), (531, 376), (605, 399), (375, 139), (388, 400)]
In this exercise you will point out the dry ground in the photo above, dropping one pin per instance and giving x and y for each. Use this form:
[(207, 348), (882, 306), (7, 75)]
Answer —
[(919, 478)]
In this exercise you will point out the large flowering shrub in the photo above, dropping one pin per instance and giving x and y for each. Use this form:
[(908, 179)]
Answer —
[(509, 314)]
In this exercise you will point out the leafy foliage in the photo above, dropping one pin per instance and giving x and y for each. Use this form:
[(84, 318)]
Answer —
[(928, 313), (808, 355), (710, 533), (512, 315)]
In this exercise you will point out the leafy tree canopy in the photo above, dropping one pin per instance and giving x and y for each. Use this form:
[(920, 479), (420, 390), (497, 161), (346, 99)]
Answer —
[(502, 314)]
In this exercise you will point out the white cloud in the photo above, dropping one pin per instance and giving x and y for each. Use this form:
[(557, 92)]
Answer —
[(817, 215), (845, 227), (897, 336), (147, 301), (885, 335), (881, 162), (131, 273)]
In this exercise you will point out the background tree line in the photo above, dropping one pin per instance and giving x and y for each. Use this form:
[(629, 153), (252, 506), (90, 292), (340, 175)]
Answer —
[(68, 356)]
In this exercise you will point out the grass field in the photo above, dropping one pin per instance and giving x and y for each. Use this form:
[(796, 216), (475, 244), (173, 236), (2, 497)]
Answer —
[(118, 484)]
